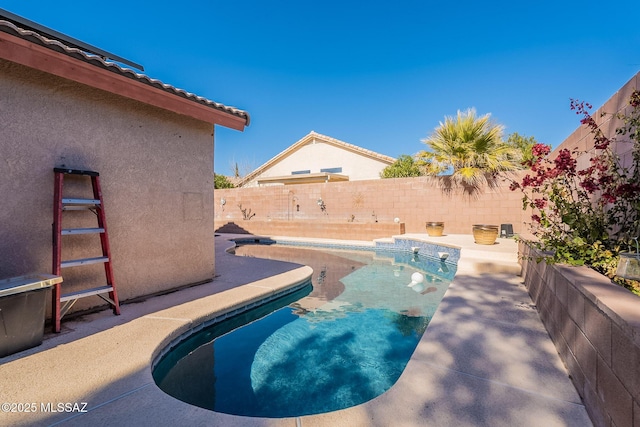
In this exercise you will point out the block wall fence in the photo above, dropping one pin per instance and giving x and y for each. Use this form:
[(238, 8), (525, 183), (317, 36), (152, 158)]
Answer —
[(594, 324), (582, 140), (290, 210), (349, 206), (595, 327)]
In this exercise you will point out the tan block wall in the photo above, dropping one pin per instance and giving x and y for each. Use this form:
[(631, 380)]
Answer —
[(582, 139), (156, 173), (413, 200), (315, 229), (595, 326)]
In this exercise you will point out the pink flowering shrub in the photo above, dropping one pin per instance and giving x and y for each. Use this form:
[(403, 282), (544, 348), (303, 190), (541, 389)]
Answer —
[(586, 215)]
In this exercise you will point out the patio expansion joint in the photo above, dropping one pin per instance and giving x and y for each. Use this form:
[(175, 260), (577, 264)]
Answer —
[(100, 405), (180, 319), (503, 384)]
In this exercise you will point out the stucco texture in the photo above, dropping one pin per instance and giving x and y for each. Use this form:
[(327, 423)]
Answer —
[(317, 155), (156, 174)]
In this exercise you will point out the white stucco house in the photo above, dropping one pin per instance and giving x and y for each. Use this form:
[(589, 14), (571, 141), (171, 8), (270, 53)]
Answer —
[(318, 158)]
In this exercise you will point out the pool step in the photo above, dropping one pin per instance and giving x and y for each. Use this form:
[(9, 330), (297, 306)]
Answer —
[(486, 265)]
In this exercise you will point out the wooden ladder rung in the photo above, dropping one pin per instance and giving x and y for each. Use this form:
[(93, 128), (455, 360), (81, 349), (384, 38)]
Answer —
[(73, 231), (86, 293), (83, 261)]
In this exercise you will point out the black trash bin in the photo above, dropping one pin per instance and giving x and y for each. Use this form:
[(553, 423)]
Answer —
[(506, 230), (22, 311)]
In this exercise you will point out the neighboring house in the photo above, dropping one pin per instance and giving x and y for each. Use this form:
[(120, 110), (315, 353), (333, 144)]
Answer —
[(319, 158), (66, 106)]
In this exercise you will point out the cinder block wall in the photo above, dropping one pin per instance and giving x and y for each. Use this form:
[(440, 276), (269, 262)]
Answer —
[(413, 200), (155, 170), (595, 326), (316, 229), (582, 139)]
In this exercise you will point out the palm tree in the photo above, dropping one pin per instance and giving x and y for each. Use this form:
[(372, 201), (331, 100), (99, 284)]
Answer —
[(470, 147)]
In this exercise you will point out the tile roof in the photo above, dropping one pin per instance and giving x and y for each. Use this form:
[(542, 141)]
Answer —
[(352, 147), (34, 37)]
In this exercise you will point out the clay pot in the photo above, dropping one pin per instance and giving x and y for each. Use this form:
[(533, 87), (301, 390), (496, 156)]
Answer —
[(435, 229), (485, 234)]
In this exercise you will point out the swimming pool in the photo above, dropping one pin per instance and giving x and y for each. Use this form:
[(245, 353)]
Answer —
[(337, 345)]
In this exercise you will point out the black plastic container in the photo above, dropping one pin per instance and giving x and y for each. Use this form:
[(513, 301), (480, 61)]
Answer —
[(22, 312)]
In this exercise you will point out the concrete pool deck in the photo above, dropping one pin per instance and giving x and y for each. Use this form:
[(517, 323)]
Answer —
[(485, 359)]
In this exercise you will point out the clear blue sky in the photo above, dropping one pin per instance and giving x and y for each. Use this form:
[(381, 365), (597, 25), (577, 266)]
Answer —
[(380, 75)]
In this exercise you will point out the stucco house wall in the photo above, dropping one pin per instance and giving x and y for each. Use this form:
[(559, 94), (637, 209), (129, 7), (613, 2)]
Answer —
[(316, 152), (155, 170), (152, 145), (317, 155)]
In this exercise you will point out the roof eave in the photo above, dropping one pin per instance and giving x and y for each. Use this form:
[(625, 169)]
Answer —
[(32, 55), (307, 178)]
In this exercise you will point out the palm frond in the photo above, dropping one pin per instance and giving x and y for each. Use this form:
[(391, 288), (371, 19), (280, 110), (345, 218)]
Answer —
[(470, 146)]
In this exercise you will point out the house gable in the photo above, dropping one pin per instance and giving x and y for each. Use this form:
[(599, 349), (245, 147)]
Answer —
[(320, 154)]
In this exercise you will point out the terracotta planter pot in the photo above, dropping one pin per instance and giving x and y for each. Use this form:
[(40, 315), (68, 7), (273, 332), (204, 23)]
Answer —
[(485, 234), (435, 229)]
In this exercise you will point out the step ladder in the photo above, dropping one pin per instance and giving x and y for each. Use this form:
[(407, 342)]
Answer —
[(61, 303)]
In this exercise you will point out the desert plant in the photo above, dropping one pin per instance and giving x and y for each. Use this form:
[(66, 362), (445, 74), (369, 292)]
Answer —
[(469, 147), (246, 213)]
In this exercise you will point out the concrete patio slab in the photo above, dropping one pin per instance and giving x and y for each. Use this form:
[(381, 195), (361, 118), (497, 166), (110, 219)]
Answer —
[(484, 360)]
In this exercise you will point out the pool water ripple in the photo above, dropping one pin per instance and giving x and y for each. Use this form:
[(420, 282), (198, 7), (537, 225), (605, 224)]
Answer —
[(345, 343)]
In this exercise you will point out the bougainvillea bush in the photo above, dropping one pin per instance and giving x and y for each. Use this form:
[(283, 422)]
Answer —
[(587, 215)]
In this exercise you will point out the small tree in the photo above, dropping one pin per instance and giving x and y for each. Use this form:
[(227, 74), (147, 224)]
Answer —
[(404, 167), (523, 146), (221, 181)]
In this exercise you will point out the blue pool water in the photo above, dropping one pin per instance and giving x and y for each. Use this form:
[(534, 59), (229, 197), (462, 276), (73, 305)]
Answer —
[(337, 345)]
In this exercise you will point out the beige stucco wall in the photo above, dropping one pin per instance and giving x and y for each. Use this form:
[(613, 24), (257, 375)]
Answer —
[(317, 155), (156, 174)]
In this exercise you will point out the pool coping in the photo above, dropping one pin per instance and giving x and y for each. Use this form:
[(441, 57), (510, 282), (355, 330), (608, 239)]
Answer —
[(117, 385)]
